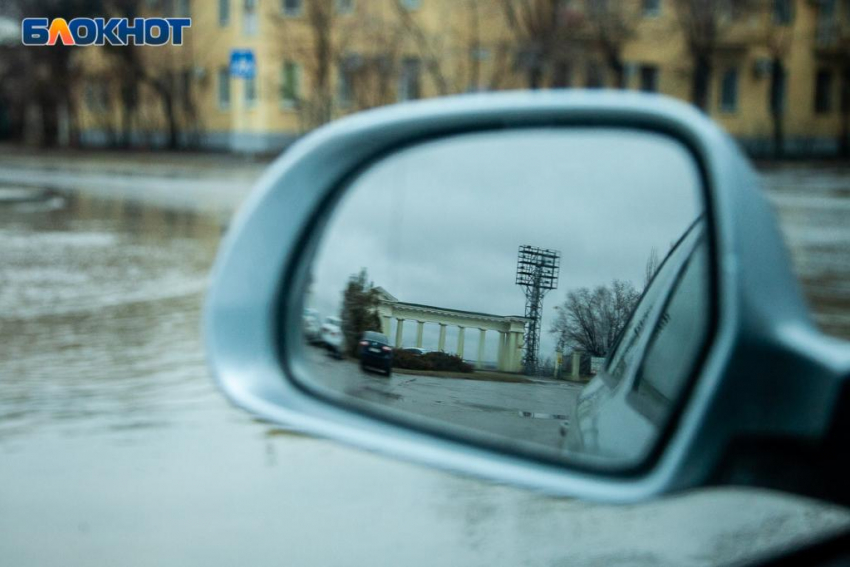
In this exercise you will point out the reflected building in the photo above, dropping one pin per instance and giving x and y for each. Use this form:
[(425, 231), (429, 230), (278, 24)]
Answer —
[(510, 328)]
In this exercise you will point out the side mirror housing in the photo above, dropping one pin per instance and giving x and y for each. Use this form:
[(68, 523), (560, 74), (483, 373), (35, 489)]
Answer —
[(765, 387)]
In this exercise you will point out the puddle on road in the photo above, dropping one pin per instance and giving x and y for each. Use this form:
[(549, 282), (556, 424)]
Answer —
[(540, 415), (99, 313)]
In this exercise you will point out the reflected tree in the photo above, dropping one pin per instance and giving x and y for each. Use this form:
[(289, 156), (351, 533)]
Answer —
[(652, 264), (590, 320), (359, 309)]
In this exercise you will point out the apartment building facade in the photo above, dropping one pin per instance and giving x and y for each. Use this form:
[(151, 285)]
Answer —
[(776, 72)]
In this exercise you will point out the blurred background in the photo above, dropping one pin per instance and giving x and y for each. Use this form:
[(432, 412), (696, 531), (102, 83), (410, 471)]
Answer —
[(120, 168), (774, 73)]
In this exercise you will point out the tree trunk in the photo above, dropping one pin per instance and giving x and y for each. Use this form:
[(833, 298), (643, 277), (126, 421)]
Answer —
[(844, 141), (777, 104), (170, 114), (49, 122), (535, 77), (618, 69), (701, 79)]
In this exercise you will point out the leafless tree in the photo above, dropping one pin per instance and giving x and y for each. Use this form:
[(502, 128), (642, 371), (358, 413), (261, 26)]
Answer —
[(543, 33), (46, 68), (611, 26), (457, 60), (779, 40), (430, 48), (652, 264), (591, 319), (705, 24), (317, 43), (363, 47)]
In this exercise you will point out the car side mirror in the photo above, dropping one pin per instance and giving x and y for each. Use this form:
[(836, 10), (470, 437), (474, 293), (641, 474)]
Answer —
[(585, 294)]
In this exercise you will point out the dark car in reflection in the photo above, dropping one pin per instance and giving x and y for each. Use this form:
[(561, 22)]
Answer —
[(416, 351), (375, 352)]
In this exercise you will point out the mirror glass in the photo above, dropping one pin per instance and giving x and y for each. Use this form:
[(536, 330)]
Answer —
[(545, 290)]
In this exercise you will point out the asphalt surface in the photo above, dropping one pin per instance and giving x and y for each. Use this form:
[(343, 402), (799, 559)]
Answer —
[(534, 414)]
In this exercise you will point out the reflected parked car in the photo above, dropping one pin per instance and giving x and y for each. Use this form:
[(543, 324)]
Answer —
[(331, 335), (416, 350), (311, 326), (375, 352)]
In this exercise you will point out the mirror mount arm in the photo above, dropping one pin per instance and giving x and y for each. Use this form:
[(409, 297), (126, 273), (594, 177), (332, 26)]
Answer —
[(810, 465)]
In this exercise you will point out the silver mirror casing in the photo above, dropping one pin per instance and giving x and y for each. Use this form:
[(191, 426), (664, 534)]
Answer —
[(767, 373)]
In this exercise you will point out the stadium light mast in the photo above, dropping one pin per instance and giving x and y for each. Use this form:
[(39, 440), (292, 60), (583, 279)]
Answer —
[(537, 272)]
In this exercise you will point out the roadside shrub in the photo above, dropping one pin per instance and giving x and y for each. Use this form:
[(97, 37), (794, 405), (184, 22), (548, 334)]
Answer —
[(438, 361), (410, 360)]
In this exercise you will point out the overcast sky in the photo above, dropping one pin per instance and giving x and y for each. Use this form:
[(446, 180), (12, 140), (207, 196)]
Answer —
[(440, 223)]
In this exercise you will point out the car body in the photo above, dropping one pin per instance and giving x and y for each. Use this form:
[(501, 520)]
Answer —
[(375, 351), (415, 350), (331, 335), (620, 406)]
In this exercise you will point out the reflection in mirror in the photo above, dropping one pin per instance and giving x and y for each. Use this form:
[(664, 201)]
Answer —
[(541, 289)]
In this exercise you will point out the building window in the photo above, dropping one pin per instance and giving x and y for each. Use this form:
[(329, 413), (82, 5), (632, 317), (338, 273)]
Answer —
[(777, 88), (729, 91), (224, 87), (344, 6), (251, 91), (185, 89), (823, 91), (347, 71), (827, 10), (292, 7), (845, 90), (290, 84), (783, 12), (344, 86), (249, 17), (97, 96), (223, 12), (649, 78), (411, 4), (182, 9), (562, 75), (409, 84), (651, 8)]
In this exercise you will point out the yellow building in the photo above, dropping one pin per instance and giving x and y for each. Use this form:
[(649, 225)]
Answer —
[(782, 64)]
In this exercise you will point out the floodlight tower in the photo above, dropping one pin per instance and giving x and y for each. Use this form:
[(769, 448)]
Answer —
[(537, 272)]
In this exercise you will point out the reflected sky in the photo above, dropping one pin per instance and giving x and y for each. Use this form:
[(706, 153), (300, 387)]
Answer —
[(440, 223)]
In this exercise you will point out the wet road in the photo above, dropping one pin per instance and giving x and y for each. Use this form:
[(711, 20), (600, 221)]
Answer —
[(533, 414), (813, 204), (115, 448)]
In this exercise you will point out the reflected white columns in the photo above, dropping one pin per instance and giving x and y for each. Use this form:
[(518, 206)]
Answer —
[(481, 338), (460, 333), (511, 361), (420, 325), (503, 344), (575, 364), (441, 346), (399, 332), (386, 324)]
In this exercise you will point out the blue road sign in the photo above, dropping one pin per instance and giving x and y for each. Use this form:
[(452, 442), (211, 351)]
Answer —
[(243, 64)]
